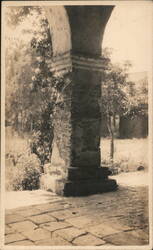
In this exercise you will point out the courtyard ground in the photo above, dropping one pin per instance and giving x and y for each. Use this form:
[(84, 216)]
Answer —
[(114, 218)]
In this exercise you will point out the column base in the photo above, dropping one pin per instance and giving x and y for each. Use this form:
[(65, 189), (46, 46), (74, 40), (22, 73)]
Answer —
[(76, 188)]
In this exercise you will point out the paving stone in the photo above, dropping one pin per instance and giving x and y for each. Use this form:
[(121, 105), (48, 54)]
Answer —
[(50, 207), (108, 244), (37, 234), (126, 238), (22, 243), (9, 230), (64, 214), (42, 218), (102, 230), (88, 240), (52, 226), (11, 218), (124, 209), (141, 234), (79, 211), (10, 211), (29, 212), (121, 227), (54, 241), (81, 221), (14, 237), (69, 233), (23, 226)]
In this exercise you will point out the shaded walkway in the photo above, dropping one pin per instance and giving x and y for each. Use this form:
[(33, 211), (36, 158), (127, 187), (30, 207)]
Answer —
[(116, 218)]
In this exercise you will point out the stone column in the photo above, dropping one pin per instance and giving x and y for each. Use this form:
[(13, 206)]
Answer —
[(75, 167)]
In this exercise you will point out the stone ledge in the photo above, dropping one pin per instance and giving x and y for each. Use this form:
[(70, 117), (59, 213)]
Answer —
[(79, 188)]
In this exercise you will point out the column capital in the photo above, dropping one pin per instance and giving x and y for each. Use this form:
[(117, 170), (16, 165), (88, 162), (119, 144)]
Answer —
[(61, 63), (88, 62), (65, 62)]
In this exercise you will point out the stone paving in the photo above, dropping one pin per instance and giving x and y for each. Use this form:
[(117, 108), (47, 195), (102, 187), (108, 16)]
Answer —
[(114, 218)]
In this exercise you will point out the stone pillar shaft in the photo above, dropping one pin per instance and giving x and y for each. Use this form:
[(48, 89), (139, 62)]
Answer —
[(75, 164)]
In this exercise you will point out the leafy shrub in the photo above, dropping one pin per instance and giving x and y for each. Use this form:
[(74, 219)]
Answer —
[(25, 174), (129, 155)]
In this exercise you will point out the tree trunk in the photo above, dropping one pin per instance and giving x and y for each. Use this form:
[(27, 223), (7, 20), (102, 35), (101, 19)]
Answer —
[(111, 132)]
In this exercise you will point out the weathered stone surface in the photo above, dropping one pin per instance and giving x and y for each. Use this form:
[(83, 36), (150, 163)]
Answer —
[(52, 226), (42, 218), (102, 230), (69, 233), (141, 234), (23, 226), (114, 212), (29, 212), (86, 187), (77, 115), (63, 214), (88, 240), (59, 29), (118, 226), (11, 218), (54, 241), (22, 243), (126, 238), (9, 230), (37, 234), (88, 27), (86, 173), (49, 207), (14, 237), (81, 221)]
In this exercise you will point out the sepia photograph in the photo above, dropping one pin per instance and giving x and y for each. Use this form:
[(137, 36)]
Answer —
[(76, 125)]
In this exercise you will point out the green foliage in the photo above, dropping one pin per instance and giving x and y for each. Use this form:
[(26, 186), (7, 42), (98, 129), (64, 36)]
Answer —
[(138, 98), (16, 14), (120, 96), (31, 89), (115, 98), (24, 174)]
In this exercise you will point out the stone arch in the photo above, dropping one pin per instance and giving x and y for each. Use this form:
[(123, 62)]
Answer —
[(75, 168), (87, 28), (60, 38)]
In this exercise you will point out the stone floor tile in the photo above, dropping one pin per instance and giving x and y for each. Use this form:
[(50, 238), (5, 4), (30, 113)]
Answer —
[(108, 244), (81, 221), (42, 218), (88, 240), (14, 237), (22, 243), (142, 234), (126, 238), (9, 230), (69, 233), (120, 227), (50, 207), (11, 218), (54, 241), (37, 234), (23, 226), (52, 226), (102, 230), (64, 214), (123, 210), (10, 211), (79, 211), (29, 212)]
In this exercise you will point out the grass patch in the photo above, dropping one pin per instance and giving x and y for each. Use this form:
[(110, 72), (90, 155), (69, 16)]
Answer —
[(129, 153), (22, 169)]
